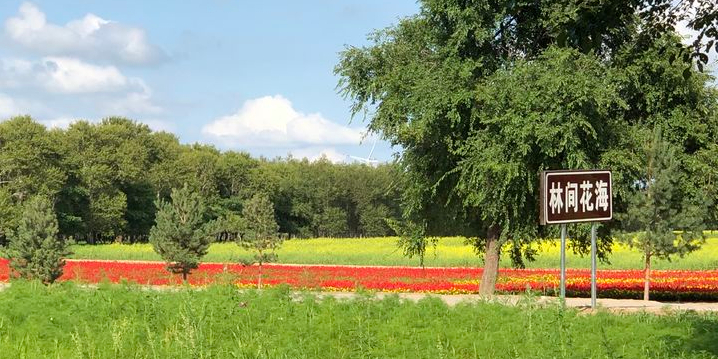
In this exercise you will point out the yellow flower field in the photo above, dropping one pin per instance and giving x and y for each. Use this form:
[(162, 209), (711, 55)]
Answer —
[(450, 251)]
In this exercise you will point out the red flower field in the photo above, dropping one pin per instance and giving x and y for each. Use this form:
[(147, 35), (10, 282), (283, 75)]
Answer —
[(665, 285)]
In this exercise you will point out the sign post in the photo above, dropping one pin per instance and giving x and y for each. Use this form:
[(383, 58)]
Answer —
[(593, 266), (563, 262), (576, 197)]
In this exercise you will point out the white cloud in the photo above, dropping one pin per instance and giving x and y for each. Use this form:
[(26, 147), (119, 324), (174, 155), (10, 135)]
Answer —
[(91, 37), (8, 107), (104, 88), (66, 75), (313, 154), (133, 103), (159, 125), (60, 122), (271, 121), (14, 73)]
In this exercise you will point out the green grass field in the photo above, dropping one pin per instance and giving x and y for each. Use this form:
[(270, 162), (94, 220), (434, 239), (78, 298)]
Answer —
[(383, 251), (66, 321)]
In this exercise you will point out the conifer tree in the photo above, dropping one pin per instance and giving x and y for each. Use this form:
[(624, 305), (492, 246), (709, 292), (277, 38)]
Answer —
[(180, 234), (35, 250), (663, 219), (261, 231)]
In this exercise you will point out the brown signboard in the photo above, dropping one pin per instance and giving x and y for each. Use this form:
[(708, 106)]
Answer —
[(576, 196)]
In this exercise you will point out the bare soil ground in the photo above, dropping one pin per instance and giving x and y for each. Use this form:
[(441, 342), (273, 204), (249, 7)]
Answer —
[(583, 304)]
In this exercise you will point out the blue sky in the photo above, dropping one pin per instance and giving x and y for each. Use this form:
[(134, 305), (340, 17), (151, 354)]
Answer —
[(254, 76)]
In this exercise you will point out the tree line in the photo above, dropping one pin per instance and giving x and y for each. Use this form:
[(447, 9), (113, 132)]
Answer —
[(104, 180)]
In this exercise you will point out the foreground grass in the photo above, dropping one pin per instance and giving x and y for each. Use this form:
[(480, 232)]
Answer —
[(65, 321), (450, 252)]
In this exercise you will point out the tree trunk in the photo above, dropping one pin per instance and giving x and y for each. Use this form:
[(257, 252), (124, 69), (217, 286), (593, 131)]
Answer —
[(491, 262), (647, 276), (259, 280), (184, 276)]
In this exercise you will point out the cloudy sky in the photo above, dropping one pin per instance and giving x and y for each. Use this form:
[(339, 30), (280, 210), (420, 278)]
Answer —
[(246, 75)]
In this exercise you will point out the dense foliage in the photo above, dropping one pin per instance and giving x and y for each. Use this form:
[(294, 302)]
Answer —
[(104, 179)]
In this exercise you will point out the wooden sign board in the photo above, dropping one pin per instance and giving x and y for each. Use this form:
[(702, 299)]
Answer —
[(576, 196)]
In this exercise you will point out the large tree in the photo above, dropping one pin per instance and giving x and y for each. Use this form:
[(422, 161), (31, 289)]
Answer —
[(110, 193), (30, 165), (557, 111), (483, 95), (30, 161), (428, 82)]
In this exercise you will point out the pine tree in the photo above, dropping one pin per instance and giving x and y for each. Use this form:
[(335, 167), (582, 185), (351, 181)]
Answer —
[(180, 234), (261, 231), (662, 219), (35, 250)]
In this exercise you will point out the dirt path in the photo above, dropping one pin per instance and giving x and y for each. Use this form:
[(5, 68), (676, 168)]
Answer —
[(583, 304)]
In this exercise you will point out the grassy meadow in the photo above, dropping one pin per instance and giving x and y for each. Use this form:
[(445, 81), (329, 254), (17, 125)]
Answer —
[(113, 321), (450, 252)]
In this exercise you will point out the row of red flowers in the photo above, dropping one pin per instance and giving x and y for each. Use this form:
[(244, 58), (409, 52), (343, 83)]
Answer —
[(667, 285)]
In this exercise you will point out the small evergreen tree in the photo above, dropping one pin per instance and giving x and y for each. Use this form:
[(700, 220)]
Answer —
[(260, 231), (180, 234), (35, 250), (662, 220)]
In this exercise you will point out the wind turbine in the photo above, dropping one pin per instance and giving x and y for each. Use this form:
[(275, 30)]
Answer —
[(368, 160)]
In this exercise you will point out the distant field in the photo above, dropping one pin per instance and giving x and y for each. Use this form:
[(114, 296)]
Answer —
[(450, 252)]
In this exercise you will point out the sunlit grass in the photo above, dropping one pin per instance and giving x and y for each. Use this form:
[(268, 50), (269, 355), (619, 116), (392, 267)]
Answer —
[(450, 251), (67, 321)]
